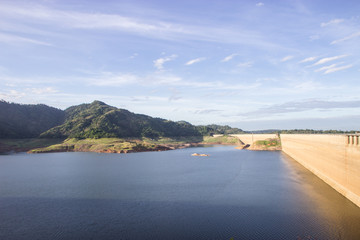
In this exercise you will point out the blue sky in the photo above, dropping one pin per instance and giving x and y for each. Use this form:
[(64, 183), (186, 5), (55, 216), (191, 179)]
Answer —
[(249, 64)]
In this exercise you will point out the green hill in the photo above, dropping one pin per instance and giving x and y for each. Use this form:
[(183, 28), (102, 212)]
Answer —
[(95, 120), (218, 129), (27, 121), (99, 120)]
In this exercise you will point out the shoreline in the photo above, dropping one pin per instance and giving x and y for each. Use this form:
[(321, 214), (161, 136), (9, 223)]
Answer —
[(120, 145)]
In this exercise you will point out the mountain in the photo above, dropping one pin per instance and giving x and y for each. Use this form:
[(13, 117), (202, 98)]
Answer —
[(218, 129), (95, 120), (98, 120), (27, 121)]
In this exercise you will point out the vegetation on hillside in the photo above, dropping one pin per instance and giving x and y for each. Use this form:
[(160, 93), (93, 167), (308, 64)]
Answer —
[(27, 121), (217, 129), (98, 120), (267, 144), (25, 144)]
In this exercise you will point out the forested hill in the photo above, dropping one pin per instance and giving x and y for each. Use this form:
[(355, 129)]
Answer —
[(26, 121), (95, 120)]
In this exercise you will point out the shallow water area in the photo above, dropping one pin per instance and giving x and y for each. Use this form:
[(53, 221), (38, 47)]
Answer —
[(232, 193)]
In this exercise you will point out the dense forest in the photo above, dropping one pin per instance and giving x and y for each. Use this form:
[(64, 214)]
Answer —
[(95, 120), (27, 121)]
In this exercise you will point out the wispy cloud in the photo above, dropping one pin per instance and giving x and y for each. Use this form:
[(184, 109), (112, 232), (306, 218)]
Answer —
[(207, 111), (354, 35), (159, 63), (11, 39), (196, 60), (287, 58), (329, 59), (111, 79), (325, 68), (260, 4), (245, 64), (309, 59), (228, 58), (301, 106), (335, 69), (134, 55), (11, 94), (155, 28), (40, 91), (306, 86), (175, 95), (331, 22)]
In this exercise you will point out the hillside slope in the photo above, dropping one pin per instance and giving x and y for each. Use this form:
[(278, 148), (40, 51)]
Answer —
[(98, 120), (27, 121)]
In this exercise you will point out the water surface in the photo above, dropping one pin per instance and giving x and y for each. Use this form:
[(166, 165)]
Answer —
[(233, 193)]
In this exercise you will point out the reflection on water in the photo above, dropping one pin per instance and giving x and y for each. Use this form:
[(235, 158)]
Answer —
[(235, 194), (342, 216)]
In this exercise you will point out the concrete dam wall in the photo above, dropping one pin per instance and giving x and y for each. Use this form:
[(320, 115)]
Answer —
[(333, 158)]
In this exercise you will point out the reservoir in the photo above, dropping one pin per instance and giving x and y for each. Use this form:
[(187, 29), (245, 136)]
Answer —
[(231, 194)]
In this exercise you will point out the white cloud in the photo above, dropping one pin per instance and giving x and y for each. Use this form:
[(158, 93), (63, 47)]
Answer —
[(309, 59), (287, 58), (159, 63), (302, 106), (328, 59), (331, 22), (325, 68), (161, 79), (260, 4), (111, 79), (307, 86), (134, 55), (228, 58), (195, 61), (156, 28), (8, 38), (11, 94), (40, 91), (354, 35), (331, 70), (246, 64)]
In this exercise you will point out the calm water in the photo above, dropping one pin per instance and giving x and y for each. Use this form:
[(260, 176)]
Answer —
[(232, 194)]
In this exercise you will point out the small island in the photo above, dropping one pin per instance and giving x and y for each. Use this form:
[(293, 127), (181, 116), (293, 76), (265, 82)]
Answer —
[(200, 155)]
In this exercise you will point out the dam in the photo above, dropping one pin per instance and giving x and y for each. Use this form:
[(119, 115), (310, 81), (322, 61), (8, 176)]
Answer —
[(334, 158)]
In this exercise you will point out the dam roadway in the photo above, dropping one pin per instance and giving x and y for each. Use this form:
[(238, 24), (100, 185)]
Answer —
[(334, 158)]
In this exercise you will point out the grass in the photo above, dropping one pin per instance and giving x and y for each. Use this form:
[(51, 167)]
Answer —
[(270, 143), (23, 145), (221, 140)]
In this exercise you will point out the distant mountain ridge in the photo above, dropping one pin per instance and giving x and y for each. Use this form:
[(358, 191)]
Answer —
[(98, 120), (94, 120), (27, 121)]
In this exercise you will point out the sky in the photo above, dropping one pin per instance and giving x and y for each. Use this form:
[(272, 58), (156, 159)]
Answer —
[(245, 63)]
